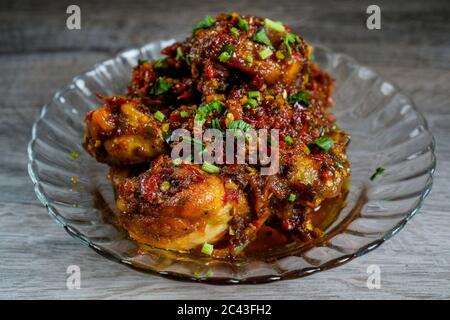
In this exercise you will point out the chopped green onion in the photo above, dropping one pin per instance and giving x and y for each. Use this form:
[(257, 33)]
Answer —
[(206, 22), (288, 140), (142, 61), (215, 124), (74, 155), (251, 103), (301, 97), (265, 53), (249, 59), (159, 116), (161, 86), (227, 52), (204, 110), (180, 54), (160, 64), (235, 31), (262, 37), (184, 114), (207, 249), (210, 168), (243, 25), (239, 125), (377, 172), (254, 94), (165, 185), (290, 38), (292, 197), (229, 48), (274, 25), (324, 143), (224, 57)]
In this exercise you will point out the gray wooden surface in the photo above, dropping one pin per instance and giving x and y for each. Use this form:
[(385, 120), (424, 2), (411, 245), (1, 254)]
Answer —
[(38, 55)]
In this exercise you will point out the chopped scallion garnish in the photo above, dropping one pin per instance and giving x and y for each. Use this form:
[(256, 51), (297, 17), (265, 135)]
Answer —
[(243, 25), (224, 57), (235, 31), (206, 22), (251, 103), (159, 116), (254, 94), (207, 249), (292, 197), (210, 168), (288, 140), (377, 172), (274, 25), (161, 86), (180, 54), (184, 114), (325, 143), (301, 97), (262, 37), (74, 155), (265, 53)]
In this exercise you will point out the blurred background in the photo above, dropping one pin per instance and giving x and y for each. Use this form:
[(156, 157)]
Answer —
[(38, 54)]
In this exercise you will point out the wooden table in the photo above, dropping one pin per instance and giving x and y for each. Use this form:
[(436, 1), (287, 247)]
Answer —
[(38, 55)]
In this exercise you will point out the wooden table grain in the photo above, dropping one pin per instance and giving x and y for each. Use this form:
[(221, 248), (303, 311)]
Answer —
[(38, 54)]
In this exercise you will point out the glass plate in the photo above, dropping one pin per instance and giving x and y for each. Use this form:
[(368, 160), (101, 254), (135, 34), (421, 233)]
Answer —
[(387, 131)]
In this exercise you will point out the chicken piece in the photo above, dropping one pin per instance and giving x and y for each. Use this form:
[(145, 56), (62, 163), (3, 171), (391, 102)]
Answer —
[(259, 52), (321, 175), (178, 207), (123, 132)]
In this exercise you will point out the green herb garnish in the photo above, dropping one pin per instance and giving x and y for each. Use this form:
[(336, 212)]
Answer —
[(290, 38), (377, 172), (205, 23), (251, 103), (292, 197), (325, 143), (227, 52), (160, 64), (254, 94), (74, 155), (204, 110), (215, 124), (210, 168), (224, 57), (274, 25), (243, 25), (161, 86), (239, 125), (159, 116), (265, 53), (301, 97), (288, 140), (262, 37), (207, 249), (180, 54), (184, 114), (235, 31), (249, 59)]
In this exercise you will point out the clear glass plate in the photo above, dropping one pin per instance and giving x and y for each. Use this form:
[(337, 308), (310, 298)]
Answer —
[(387, 131)]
